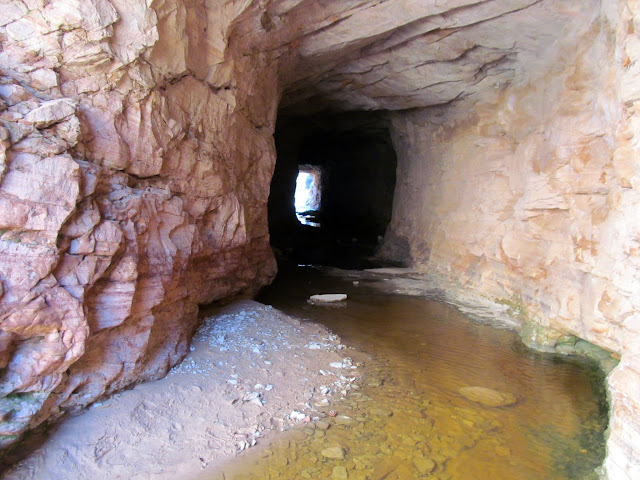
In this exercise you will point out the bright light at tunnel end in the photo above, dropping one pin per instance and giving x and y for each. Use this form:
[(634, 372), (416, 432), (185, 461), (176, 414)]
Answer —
[(307, 195)]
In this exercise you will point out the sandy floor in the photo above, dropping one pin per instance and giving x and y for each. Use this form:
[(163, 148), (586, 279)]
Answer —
[(252, 370)]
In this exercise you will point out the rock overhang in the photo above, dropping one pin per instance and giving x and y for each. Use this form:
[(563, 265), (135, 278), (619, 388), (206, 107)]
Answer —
[(397, 55)]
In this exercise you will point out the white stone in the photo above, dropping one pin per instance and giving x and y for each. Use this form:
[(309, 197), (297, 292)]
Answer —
[(328, 298), (51, 112)]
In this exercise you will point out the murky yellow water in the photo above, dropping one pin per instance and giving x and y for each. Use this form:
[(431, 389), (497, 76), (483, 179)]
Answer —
[(409, 421)]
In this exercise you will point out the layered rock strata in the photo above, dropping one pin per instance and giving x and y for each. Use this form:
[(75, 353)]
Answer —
[(135, 175)]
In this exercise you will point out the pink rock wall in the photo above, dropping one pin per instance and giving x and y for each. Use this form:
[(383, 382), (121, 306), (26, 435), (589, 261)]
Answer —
[(135, 164), (529, 196)]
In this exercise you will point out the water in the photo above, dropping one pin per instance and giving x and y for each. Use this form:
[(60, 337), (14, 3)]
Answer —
[(408, 420)]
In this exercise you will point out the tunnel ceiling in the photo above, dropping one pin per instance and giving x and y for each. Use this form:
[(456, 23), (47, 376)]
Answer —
[(399, 54)]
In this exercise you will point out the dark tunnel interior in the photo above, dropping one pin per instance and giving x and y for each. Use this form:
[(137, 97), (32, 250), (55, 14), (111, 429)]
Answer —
[(353, 156)]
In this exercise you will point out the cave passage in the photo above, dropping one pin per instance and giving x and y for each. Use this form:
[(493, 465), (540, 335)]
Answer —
[(345, 164)]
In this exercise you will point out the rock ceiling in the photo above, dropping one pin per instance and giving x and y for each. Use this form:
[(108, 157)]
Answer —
[(400, 54)]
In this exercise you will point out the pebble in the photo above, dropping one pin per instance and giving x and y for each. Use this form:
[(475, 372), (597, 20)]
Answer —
[(408, 441), (254, 397), (386, 449), (381, 411), (339, 473), (322, 425), (295, 415), (345, 420), (336, 453), (487, 396), (424, 465)]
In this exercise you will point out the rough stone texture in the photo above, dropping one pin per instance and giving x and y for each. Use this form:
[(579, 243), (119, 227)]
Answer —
[(528, 196), (404, 54), (135, 170), (136, 153)]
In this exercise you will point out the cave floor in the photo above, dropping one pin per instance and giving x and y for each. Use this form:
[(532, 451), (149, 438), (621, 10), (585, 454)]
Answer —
[(410, 418), (270, 391), (252, 371)]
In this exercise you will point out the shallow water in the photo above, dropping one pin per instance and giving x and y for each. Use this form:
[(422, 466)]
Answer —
[(408, 419)]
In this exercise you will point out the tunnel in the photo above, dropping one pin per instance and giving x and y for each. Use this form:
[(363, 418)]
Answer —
[(353, 157)]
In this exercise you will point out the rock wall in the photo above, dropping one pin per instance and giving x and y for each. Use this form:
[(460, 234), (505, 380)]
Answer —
[(135, 163), (529, 195)]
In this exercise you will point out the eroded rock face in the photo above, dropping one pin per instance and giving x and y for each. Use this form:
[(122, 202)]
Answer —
[(405, 54), (135, 170), (527, 196)]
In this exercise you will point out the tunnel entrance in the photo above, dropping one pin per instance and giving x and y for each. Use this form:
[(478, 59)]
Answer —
[(308, 194), (332, 190)]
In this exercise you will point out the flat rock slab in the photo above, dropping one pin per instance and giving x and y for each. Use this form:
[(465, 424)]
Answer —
[(328, 298), (488, 397), (335, 453)]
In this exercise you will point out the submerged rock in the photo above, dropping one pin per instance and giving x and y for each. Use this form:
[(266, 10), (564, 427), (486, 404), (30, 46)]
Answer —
[(488, 397), (339, 473), (345, 420), (336, 453), (424, 465)]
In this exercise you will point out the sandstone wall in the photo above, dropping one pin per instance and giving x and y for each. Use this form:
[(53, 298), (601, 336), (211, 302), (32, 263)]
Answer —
[(530, 196), (135, 162)]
